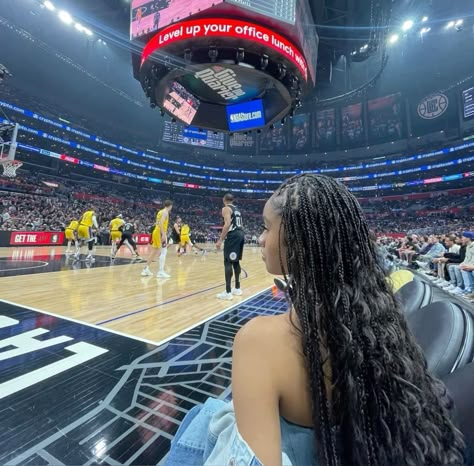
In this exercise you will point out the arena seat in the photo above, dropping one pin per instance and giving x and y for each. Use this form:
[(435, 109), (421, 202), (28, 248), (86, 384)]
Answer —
[(445, 332), (414, 295), (460, 386)]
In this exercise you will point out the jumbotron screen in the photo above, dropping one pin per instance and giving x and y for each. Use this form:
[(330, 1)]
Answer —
[(177, 133), (148, 16), (181, 103), (283, 10)]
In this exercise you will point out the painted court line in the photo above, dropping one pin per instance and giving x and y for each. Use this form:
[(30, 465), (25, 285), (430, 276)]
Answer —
[(70, 319), (213, 316), (173, 300)]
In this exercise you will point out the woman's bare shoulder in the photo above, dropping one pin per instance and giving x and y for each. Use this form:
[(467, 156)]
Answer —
[(265, 331)]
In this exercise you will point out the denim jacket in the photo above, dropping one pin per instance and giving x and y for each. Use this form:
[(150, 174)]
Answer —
[(208, 436)]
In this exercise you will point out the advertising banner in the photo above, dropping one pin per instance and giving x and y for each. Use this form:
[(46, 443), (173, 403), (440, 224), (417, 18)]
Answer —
[(385, 118), (301, 133), (36, 238), (325, 128), (353, 132)]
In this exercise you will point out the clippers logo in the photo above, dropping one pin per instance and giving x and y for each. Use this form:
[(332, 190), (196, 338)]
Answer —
[(433, 106), (221, 80)]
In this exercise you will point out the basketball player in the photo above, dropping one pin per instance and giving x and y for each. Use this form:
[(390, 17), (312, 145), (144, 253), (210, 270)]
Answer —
[(128, 230), (139, 16), (71, 234), (116, 233), (176, 234), (159, 242), (185, 240), (234, 238), (85, 233)]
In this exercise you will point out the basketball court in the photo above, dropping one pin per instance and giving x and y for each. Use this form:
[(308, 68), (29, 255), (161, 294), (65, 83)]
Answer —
[(109, 362), (105, 397), (112, 294)]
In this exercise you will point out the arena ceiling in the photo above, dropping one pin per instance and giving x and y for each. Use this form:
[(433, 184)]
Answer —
[(343, 26)]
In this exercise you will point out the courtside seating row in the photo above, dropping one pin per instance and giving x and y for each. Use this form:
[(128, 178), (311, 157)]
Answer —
[(444, 328)]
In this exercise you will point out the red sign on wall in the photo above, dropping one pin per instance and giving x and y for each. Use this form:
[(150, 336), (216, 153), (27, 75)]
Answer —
[(142, 239), (36, 238)]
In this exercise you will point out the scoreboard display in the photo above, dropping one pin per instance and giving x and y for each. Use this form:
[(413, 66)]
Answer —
[(283, 10), (468, 103), (179, 134)]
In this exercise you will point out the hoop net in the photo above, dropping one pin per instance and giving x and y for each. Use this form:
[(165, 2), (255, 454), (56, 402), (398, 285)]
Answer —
[(10, 167)]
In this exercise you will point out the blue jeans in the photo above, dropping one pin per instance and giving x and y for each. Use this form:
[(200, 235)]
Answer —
[(468, 278), (455, 275), (208, 436)]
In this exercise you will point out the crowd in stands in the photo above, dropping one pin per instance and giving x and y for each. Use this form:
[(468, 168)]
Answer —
[(43, 202), (448, 259), (27, 203)]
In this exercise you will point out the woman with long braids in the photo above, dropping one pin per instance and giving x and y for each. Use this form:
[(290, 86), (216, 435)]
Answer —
[(339, 379)]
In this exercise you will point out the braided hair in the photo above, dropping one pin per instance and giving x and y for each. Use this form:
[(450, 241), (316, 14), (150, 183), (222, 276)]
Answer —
[(384, 408)]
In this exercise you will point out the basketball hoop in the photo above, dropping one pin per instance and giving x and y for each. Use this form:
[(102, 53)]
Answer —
[(10, 167)]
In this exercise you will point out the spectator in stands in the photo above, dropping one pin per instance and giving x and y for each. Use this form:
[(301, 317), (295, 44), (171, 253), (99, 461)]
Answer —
[(456, 284), (407, 251), (339, 379), (467, 267), (436, 250), (452, 249)]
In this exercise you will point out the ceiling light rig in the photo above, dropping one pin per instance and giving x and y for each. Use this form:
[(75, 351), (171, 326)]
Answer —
[(67, 18), (457, 24)]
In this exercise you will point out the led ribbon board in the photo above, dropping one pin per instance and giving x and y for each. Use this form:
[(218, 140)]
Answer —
[(227, 28)]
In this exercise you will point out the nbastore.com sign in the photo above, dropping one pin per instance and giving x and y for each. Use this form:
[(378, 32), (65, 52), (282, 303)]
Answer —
[(245, 116)]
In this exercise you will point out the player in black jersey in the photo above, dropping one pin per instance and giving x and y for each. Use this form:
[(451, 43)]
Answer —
[(176, 234), (128, 230), (233, 234)]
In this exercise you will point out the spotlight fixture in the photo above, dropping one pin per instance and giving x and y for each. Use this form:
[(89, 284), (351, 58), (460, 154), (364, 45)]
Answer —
[(450, 24), (49, 5), (240, 55), (281, 71), (272, 127), (65, 17), (394, 38), (425, 31), (459, 22), (263, 62), (407, 25), (282, 122), (213, 53), (424, 19), (188, 55)]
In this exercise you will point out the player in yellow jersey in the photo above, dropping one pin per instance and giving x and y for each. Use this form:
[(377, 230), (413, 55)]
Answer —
[(71, 234), (116, 233), (159, 239), (185, 240), (85, 234)]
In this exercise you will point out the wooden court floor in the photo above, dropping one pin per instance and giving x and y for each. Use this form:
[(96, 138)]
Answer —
[(118, 298)]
